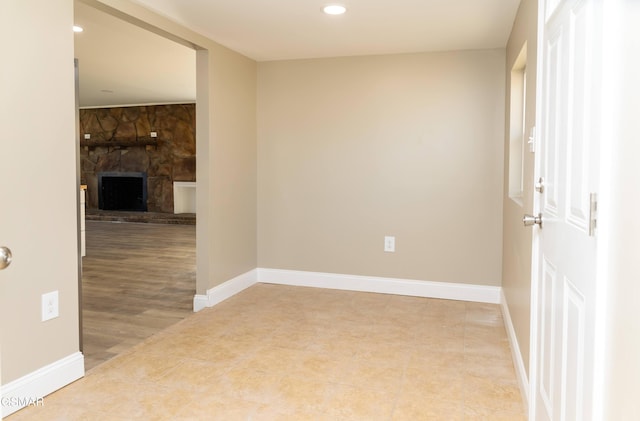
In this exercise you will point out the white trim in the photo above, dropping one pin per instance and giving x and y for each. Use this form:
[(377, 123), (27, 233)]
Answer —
[(518, 362), (225, 290), (200, 302), (142, 104), (416, 288), (43, 381), (450, 291)]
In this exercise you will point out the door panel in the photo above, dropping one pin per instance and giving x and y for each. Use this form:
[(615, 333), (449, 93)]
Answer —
[(551, 7), (578, 132), (547, 345), (573, 351), (554, 83)]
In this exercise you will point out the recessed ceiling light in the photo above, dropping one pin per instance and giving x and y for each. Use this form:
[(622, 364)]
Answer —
[(334, 9), (77, 28)]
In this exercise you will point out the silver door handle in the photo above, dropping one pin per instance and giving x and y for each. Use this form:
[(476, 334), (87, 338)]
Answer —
[(530, 220), (5, 257)]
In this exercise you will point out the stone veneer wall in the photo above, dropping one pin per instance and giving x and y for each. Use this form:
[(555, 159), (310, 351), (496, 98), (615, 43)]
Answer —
[(121, 142)]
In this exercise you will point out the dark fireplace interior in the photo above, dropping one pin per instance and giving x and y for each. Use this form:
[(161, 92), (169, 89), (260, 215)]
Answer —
[(122, 191)]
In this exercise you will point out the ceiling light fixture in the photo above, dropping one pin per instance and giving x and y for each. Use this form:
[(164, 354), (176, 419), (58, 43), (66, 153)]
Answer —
[(334, 9), (77, 28)]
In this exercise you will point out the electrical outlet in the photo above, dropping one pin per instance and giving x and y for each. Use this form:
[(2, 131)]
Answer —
[(87, 136), (389, 244), (50, 308), (154, 134)]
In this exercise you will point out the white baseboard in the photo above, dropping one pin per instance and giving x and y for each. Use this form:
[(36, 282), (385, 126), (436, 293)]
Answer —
[(445, 290), (225, 290), (450, 291), (518, 362), (32, 388)]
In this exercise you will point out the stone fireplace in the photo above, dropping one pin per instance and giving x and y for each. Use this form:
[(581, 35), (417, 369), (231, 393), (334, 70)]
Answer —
[(157, 141)]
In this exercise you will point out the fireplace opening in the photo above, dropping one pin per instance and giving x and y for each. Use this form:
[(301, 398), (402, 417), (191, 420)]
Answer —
[(122, 191)]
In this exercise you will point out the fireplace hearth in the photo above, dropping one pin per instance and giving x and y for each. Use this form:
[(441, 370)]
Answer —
[(122, 191)]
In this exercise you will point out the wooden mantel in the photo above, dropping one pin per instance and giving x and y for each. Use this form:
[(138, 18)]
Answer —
[(139, 141)]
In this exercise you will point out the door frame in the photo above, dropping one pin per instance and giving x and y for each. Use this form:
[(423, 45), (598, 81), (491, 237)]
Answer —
[(76, 73)]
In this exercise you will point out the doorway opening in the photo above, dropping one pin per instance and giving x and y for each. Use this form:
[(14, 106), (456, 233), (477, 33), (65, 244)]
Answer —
[(137, 278)]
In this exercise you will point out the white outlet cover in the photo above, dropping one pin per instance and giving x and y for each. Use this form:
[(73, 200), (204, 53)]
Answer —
[(389, 244), (87, 136), (50, 308)]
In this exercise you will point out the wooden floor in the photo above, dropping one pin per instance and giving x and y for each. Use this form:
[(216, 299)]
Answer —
[(137, 279)]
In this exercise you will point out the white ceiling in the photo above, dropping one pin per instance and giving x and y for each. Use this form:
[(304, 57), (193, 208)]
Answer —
[(294, 29), (135, 65), (145, 68)]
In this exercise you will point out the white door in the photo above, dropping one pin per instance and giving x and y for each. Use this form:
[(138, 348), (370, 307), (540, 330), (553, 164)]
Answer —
[(564, 277)]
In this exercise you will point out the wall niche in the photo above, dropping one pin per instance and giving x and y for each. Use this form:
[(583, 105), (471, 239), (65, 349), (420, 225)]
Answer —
[(121, 141)]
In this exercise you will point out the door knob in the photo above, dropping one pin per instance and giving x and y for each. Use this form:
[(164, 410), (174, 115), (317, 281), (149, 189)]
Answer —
[(530, 220), (5, 257)]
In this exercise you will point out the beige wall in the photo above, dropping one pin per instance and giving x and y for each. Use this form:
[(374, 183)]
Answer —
[(353, 149), (232, 166), (516, 261), (38, 212)]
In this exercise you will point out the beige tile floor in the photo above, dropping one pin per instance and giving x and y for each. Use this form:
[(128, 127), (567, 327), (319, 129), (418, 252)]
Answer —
[(289, 353)]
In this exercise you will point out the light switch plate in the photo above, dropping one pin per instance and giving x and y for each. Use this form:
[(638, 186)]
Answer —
[(50, 309)]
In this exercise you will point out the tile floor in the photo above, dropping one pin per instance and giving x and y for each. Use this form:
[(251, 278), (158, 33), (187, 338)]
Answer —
[(289, 353)]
